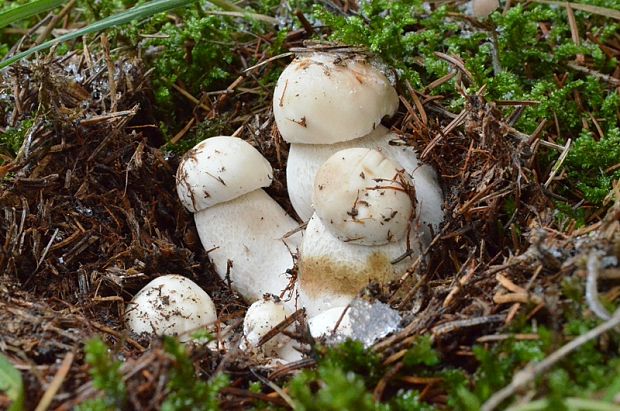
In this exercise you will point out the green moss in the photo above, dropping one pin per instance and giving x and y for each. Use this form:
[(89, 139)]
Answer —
[(186, 391), (347, 373), (352, 357), (106, 375), (590, 163), (195, 54), (421, 353), (498, 364), (337, 390), (12, 138)]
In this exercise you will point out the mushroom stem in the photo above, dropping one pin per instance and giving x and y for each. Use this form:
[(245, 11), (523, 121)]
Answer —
[(332, 272), (304, 160), (245, 244)]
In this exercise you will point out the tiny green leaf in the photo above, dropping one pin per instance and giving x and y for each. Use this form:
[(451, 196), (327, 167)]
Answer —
[(11, 383)]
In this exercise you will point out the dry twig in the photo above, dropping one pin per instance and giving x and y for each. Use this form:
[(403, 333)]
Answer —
[(531, 372)]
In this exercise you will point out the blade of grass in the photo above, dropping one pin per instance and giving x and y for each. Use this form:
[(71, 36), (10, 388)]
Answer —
[(614, 14), (27, 10), (139, 12), (11, 383)]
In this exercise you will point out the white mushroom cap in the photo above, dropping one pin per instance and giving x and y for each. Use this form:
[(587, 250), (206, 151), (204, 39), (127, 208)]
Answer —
[(324, 324), (262, 317), (170, 305), (304, 161), (483, 8), (363, 197), (324, 98), (219, 169), (332, 272)]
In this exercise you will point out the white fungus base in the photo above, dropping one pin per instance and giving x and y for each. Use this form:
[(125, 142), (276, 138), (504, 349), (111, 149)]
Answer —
[(248, 231), (304, 161), (332, 272)]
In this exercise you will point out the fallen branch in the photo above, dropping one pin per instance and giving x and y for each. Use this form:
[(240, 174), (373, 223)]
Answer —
[(530, 372)]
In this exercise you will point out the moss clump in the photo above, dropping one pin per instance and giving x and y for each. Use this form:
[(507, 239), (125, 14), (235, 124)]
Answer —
[(12, 138), (185, 390), (593, 164), (106, 375)]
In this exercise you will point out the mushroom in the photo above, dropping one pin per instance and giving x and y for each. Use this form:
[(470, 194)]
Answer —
[(239, 225), (170, 305), (364, 229), (305, 160), (261, 318), (324, 98), (326, 102), (483, 8), (363, 197)]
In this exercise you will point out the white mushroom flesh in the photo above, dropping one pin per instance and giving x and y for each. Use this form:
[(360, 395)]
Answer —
[(324, 98), (244, 239), (170, 305), (363, 197), (331, 322)]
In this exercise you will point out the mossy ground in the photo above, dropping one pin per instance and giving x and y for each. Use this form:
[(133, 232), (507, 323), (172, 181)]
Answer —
[(506, 285)]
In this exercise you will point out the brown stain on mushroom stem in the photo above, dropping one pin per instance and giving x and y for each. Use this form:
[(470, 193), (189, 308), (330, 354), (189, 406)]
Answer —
[(320, 275)]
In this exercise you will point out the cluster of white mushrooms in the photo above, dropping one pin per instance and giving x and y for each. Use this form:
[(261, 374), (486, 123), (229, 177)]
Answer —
[(369, 205)]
